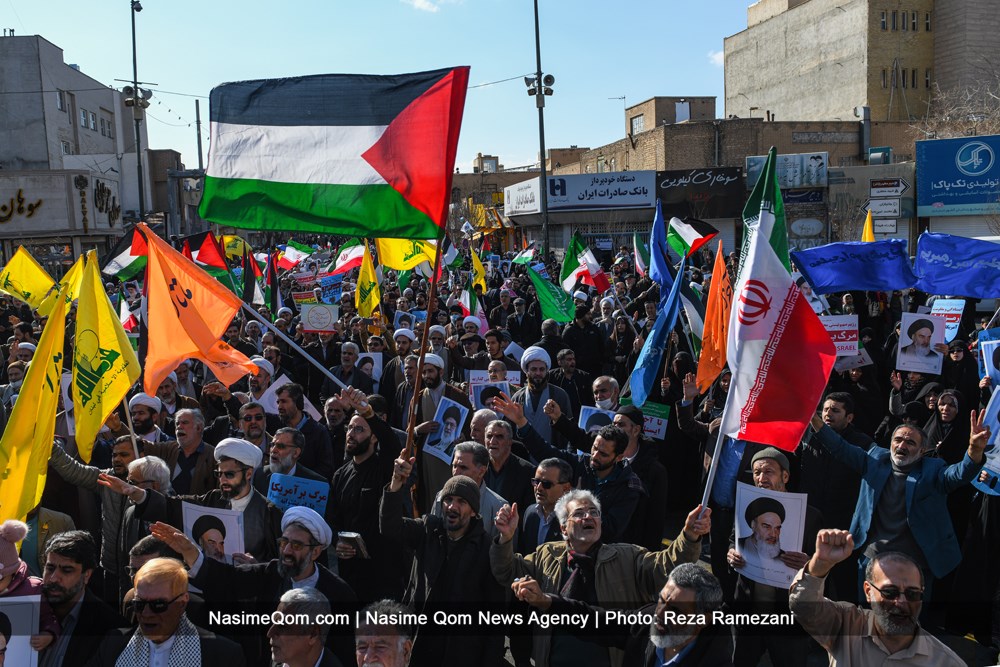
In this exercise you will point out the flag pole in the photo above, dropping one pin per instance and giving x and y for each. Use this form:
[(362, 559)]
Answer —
[(716, 455), (131, 428), (621, 306), (280, 334)]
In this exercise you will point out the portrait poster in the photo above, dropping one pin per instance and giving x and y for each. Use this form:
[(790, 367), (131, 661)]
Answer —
[(269, 399), (988, 479), (990, 353), (403, 320), (450, 417), (480, 393), (217, 532), (768, 523), (593, 419), (21, 613), (918, 334), (371, 364)]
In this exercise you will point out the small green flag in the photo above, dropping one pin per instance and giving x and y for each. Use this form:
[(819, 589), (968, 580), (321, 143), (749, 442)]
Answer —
[(765, 212), (556, 304)]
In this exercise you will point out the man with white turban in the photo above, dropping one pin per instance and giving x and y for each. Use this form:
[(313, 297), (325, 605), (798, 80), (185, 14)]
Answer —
[(145, 411), (535, 363), (304, 536), (236, 459)]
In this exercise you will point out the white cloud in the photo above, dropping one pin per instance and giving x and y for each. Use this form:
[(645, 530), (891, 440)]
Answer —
[(423, 5), (717, 58)]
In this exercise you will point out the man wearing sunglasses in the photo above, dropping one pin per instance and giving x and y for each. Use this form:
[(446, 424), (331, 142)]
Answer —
[(553, 479), (304, 536), (894, 586), (236, 461), (164, 635)]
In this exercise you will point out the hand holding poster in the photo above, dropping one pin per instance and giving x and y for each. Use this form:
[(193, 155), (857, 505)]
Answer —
[(768, 524), (918, 334), (218, 532), (450, 417), (951, 310), (483, 394), (289, 491)]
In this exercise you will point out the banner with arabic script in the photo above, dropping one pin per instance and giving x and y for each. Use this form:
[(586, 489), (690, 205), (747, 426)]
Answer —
[(701, 193), (853, 265), (958, 266), (958, 176)]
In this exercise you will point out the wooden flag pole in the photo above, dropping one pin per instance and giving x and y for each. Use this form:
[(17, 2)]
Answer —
[(131, 428)]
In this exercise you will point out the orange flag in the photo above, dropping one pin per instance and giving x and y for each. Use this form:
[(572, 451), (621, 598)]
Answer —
[(713, 344), (189, 311)]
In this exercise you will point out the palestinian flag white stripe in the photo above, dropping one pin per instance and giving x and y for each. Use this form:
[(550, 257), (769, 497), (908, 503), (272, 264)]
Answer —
[(274, 153)]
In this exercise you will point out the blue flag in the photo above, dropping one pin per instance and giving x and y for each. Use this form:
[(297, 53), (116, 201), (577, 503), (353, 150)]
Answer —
[(856, 265), (647, 367), (659, 260), (957, 265)]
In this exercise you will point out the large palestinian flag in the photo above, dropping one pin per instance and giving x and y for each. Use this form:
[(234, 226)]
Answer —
[(347, 154)]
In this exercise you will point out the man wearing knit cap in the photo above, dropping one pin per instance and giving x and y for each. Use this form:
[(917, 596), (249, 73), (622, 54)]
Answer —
[(444, 546), (535, 363), (236, 460), (304, 537), (785, 644), (145, 411)]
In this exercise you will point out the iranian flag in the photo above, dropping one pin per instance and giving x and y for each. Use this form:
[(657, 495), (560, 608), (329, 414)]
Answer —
[(581, 265), (780, 354), (641, 252), (293, 253), (687, 236), (471, 306), (358, 155), (349, 257), (125, 315)]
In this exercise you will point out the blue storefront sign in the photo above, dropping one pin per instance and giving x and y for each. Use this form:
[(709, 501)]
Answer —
[(958, 176)]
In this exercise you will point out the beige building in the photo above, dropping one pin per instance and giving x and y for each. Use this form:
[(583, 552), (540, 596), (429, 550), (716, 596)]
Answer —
[(821, 59)]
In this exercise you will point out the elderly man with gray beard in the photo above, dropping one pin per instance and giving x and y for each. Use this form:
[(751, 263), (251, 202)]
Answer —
[(681, 634)]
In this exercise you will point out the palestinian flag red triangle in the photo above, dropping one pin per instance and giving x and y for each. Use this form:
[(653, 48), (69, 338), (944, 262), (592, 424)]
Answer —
[(417, 147)]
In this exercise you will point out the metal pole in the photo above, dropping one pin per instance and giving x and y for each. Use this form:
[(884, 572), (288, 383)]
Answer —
[(719, 441), (137, 115), (540, 103), (197, 127)]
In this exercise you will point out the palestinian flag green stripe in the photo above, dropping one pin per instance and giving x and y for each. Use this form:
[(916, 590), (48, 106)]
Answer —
[(360, 210)]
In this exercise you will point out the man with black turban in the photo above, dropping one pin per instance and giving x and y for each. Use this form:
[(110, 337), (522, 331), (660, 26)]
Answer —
[(919, 332), (764, 516)]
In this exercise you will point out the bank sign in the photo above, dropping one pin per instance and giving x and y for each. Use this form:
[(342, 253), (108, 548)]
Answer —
[(958, 176), (582, 192)]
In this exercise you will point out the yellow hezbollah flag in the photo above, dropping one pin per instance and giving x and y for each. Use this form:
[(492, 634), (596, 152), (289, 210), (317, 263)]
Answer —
[(104, 364), (868, 234), (27, 440), (69, 286), (402, 254), (478, 272), (234, 246), (367, 296), (25, 279)]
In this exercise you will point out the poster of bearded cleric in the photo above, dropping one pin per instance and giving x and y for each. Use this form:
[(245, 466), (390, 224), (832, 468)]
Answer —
[(768, 524), (918, 334), (450, 417)]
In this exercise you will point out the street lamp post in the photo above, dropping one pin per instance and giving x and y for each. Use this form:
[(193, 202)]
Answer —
[(540, 87), (136, 7)]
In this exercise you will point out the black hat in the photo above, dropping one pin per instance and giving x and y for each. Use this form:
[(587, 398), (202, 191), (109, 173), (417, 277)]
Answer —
[(632, 413), (597, 420), (763, 505), (917, 325), (453, 413), (205, 523), (463, 487), (489, 392)]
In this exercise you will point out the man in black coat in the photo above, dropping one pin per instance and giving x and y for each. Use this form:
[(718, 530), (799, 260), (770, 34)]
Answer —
[(317, 452), (451, 567), (690, 591), (160, 602), (304, 536), (508, 474), (70, 561)]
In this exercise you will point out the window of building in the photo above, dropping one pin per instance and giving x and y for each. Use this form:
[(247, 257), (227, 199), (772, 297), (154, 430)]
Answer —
[(67, 149), (895, 16), (885, 25), (614, 164), (102, 128), (913, 78), (61, 100), (601, 164), (83, 118), (884, 78), (637, 123), (109, 124), (682, 111), (903, 72), (927, 21), (906, 24), (913, 21), (927, 78), (93, 121)]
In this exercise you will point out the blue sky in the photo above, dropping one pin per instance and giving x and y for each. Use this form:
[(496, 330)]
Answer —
[(596, 51)]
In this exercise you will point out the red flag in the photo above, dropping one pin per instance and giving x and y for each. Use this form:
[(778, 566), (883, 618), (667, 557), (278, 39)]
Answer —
[(780, 354)]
